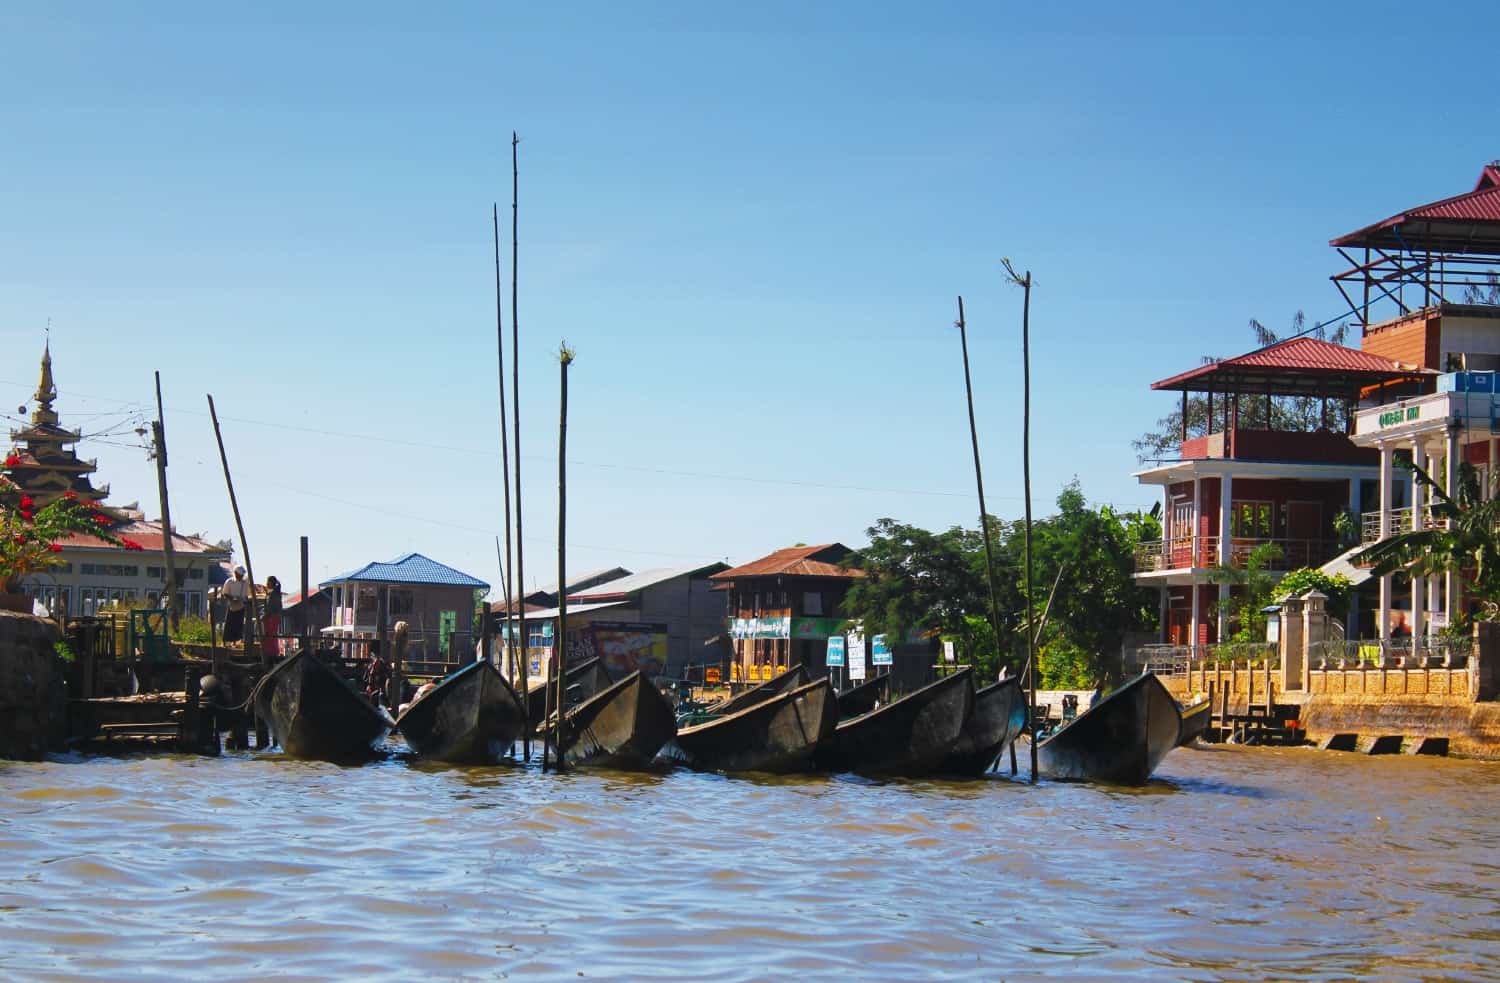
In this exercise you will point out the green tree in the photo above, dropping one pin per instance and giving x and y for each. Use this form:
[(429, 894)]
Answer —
[(1251, 587), (1468, 539), (1336, 586), (916, 580)]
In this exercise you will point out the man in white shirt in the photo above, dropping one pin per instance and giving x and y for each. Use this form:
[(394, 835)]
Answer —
[(236, 594)]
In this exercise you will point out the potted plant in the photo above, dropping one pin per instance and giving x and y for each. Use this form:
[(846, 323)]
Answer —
[(29, 536)]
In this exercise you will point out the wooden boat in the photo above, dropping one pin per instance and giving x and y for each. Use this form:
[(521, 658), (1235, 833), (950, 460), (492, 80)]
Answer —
[(584, 680), (862, 698), (909, 737), (999, 717), (474, 716), (1195, 720), (313, 712), (779, 734), (622, 726), (784, 682), (1121, 739)]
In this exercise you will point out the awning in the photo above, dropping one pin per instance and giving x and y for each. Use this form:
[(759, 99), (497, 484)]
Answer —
[(1343, 564)]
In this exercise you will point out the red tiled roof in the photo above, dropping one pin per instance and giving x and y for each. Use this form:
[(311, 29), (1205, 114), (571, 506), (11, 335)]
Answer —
[(797, 561), (1480, 205), (148, 534), (1303, 357)]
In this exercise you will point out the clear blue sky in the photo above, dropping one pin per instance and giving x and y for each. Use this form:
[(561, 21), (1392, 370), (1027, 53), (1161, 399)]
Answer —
[(751, 224)]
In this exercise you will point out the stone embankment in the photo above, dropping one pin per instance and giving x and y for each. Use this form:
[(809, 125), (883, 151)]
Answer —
[(33, 706)]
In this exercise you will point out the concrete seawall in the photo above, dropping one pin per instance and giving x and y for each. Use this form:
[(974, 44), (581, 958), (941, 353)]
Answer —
[(33, 710)]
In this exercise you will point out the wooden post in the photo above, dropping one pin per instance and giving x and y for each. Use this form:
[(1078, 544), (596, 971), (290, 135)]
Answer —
[(239, 731), (392, 693), (169, 587), (1270, 703), (262, 731), (1025, 283), (189, 741), (1223, 711), (306, 607), (505, 559), (565, 357), (519, 579), (398, 661)]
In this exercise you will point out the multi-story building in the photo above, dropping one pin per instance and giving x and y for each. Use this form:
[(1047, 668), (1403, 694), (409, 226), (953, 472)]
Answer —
[(1242, 480), (93, 573), (1424, 286)]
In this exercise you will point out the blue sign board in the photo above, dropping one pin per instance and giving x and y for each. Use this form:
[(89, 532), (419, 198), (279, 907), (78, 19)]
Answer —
[(836, 650), (880, 652)]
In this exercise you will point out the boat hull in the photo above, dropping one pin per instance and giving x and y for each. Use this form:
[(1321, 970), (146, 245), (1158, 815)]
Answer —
[(909, 737), (999, 717), (1195, 720), (585, 680), (859, 700), (780, 734), (785, 682), (623, 726), (313, 712), (472, 717), (1120, 740)]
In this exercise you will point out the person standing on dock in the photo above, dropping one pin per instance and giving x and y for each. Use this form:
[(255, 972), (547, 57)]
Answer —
[(271, 622), (236, 594)]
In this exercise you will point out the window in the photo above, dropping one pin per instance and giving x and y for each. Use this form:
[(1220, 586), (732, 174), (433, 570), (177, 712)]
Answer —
[(402, 603), (1252, 520), (156, 573)]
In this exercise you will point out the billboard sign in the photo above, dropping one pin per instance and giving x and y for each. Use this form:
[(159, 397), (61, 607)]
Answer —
[(835, 650)]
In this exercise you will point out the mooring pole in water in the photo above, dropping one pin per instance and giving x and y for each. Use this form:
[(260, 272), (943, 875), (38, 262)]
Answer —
[(564, 358), (519, 579), (504, 558), (984, 516), (307, 608), (159, 451), (1024, 282)]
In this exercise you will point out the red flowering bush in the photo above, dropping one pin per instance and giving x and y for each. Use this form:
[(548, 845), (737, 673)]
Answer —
[(29, 535)]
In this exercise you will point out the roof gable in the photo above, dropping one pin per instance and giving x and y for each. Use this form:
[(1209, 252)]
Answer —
[(411, 568), (1410, 229), (1294, 363), (797, 561)]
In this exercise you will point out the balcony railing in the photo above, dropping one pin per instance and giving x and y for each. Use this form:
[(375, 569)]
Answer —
[(1369, 523), (1187, 552)]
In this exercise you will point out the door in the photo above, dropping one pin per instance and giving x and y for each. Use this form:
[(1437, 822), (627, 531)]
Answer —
[(1304, 532)]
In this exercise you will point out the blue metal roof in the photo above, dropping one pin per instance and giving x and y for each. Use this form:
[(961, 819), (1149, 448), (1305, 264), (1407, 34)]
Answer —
[(413, 568)]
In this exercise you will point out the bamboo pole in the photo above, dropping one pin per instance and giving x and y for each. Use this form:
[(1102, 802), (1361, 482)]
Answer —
[(159, 438), (519, 577), (505, 560), (253, 620), (984, 516), (565, 357), (1025, 283), (307, 607)]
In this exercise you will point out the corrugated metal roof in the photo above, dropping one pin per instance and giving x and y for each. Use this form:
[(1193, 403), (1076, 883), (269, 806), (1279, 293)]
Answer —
[(542, 614), (1297, 356), (149, 535), (640, 581), (1479, 205), (801, 561), (413, 568)]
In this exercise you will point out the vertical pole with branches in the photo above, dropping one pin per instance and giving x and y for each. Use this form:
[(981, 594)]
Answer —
[(565, 359), (1024, 282), (505, 561), (984, 515)]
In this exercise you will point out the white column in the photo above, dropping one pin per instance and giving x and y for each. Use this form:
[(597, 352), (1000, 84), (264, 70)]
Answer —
[(1450, 584), (1226, 500), (1418, 510), (1383, 616), (1434, 584), (1193, 617)]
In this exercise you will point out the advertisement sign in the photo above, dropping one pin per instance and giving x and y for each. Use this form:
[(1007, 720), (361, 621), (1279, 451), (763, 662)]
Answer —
[(814, 629), (881, 653), (948, 653), (856, 656), (776, 626), (835, 650), (623, 646)]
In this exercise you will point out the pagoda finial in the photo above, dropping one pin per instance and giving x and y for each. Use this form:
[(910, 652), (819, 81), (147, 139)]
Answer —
[(46, 390)]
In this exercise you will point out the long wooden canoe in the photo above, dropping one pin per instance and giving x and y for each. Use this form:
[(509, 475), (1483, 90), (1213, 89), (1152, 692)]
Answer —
[(909, 737), (622, 726), (473, 716), (780, 734), (313, 712), (861, 699), (585, 680), (1195, 720), (1121, 739), (784, 682), (999, 717)]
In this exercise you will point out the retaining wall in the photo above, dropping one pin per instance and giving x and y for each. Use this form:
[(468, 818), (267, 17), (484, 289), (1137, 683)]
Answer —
[(33, 710)]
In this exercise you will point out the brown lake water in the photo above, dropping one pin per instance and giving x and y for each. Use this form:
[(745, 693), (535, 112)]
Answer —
[(1237, 863)]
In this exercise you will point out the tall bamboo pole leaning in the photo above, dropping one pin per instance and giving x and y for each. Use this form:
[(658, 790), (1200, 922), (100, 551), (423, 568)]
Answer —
[(159, 439), (984, 516), (1024, 282), (519, 577), (235, 505), (505, 561), (565, 358)]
